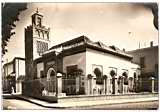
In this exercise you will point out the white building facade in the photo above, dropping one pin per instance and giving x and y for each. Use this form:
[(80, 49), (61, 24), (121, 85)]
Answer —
[(13, 75), (91, 68), (80, 67)]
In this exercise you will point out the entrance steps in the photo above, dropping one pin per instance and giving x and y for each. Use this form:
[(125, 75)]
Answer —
[(105, 97)]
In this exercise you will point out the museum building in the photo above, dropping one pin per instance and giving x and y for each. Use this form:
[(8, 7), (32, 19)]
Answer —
[(78, 66)]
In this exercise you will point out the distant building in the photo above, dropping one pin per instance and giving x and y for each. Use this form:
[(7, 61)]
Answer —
[(147, 58), (80, 66), (13, 74)]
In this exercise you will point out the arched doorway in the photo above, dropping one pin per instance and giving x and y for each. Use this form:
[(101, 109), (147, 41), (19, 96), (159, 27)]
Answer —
[(51, 81)]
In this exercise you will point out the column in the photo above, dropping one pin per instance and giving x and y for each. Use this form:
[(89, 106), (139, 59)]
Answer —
[(116, 86), (91, 91), (89, 86), (152, 84), (59, 82), (110, 90), (123, 85), (94, 86), (106, 88), (77, 84)]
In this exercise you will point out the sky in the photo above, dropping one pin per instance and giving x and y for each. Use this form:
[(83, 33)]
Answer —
[(124, 25)]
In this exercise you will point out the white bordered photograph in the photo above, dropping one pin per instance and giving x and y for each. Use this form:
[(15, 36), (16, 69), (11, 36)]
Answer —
[(79, 56)]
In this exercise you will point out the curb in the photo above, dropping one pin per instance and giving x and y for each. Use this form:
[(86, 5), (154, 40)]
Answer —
[(72, 107)]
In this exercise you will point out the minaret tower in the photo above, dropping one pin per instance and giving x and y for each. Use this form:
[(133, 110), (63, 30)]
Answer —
[(36, 41)]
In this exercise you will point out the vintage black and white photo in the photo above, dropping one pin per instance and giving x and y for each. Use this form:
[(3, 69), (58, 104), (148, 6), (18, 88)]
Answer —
[(80, 56)]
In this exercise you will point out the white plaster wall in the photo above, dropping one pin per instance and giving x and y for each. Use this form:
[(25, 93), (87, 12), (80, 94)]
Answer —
[(108, 60), (40, 67), (19, 67), (76, 59), (8, 69)]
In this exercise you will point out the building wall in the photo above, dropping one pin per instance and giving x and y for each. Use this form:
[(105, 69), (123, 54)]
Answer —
[(151, 57), (90, 58), (8, 69), (40, 67), (108, 61), (19, 67), (76, 59), (151, 60)]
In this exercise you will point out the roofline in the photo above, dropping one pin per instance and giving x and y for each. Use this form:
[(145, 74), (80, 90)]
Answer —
[(88, 42), (80, 38), (86, 45), (20, 58), (146, 48), (107, 51)]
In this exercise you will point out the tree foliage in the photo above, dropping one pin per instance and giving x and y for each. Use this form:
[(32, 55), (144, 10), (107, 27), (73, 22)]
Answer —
[(10, 13)]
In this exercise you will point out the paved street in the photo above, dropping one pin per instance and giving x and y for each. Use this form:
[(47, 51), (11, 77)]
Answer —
[(20, 104), (127, 106), (10, 104)]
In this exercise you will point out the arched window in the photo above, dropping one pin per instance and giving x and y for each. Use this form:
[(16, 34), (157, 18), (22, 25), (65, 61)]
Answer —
[(51, 72)]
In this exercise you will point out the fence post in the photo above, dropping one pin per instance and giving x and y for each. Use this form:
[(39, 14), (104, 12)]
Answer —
[(59, 82), (152, 84)]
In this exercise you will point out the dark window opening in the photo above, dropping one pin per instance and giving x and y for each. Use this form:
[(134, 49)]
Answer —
[(39, 22), (142, 62), (42, 74), (98, 73)]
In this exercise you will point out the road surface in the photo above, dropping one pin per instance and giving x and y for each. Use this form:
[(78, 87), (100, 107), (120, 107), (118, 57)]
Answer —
[(20, 105), (14, 104), (149, 105)]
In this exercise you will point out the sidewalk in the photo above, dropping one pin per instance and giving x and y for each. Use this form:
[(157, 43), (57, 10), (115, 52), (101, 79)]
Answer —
[(87, 103)]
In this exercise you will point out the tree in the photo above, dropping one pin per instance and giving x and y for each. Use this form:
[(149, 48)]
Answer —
[(10, 13)]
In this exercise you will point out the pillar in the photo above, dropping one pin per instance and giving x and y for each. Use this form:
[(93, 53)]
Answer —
[(105, 86), (123, 85), (59, 82), (108, 85), (110, 90), (114, 85), (89, 88), (152, 84), (91, 91), (77, 84), (94, 89)]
